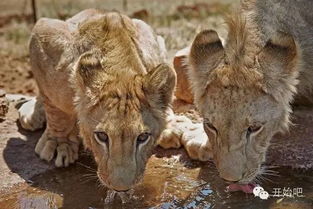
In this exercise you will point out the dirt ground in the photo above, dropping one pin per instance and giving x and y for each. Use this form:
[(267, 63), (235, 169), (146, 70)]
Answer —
[(24, 175), (16, 77)]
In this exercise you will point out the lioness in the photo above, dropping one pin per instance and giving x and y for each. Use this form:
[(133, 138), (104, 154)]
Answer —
[(244, 88), (103, 75)]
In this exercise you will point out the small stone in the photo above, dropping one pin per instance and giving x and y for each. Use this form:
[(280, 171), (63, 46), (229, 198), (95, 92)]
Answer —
[(4, 105), (141, 14), (2, 93)]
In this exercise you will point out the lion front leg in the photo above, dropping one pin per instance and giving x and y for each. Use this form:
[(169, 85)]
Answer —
[(196, 143), (180, 131), (60, 137), (171, 136)]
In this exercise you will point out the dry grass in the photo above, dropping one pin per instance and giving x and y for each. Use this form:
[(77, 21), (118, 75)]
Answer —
[(14, 39), (177, 21), (177, 26), (51, 8)]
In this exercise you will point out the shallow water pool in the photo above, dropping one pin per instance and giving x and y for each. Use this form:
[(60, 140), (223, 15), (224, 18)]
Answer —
[(171, 181)]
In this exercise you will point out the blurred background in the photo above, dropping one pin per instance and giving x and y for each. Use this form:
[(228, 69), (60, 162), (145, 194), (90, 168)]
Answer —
[(178, 21)]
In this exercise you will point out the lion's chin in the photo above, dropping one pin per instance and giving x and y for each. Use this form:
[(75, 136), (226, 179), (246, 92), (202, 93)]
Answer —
[(125, 196)]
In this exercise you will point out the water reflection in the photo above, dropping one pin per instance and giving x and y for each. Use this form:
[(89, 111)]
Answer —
[(171, 181)]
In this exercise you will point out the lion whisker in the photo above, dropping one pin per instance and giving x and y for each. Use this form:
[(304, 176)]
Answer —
[(263, 178), (270, 171), (271, 166), (265, 171), (256, 181), (87, 181), (89, 175), (271, 174), (87, 167)]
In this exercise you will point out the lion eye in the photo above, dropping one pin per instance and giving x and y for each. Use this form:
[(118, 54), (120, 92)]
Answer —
[(143, 137), (101, 136), (253, 129)]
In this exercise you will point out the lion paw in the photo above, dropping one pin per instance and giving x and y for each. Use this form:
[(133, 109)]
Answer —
[(32, 115), (66, 151), (197, 143), (182, 131), (198, 151), (169, 139)]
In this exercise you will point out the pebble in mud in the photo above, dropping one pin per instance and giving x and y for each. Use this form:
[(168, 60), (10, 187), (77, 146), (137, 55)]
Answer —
[(4, 105)]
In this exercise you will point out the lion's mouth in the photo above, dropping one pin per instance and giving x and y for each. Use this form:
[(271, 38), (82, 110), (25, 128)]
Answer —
[(247, 185)]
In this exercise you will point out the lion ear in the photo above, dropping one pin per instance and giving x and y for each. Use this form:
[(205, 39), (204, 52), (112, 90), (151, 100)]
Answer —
[(205, 55), (87, 70), (279, 62), (206, 52), (159, 85)]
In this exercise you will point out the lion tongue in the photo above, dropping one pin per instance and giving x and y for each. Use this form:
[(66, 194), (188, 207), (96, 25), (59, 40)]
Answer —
[(246, 188)]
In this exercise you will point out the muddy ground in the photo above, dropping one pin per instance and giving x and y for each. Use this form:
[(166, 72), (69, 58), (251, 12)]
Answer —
[(172, 180)]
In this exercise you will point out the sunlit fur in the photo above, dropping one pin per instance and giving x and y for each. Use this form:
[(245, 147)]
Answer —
[(108, 73), (250, 81)]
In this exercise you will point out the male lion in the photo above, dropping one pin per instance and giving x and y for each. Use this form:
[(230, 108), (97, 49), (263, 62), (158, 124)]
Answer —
[(105, 75), (244, 88)]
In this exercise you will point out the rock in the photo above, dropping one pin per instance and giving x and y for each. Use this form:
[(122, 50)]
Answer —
[(201, 9), (2, 93), (4, 104), (141, 14), (18, 97), (183, 91)]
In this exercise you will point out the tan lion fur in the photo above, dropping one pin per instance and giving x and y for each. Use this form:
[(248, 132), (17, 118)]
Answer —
[(101, 72), (250, 82)]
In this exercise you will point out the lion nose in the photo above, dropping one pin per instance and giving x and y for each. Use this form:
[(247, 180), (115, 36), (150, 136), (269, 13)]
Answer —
[(230, 177)]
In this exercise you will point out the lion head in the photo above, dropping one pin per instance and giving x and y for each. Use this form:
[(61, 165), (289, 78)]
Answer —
[(121, 98), (243, 92)]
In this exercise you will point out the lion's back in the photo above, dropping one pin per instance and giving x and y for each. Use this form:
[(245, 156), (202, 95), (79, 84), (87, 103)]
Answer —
[(294, 18), (52, 54), (56, 46)]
